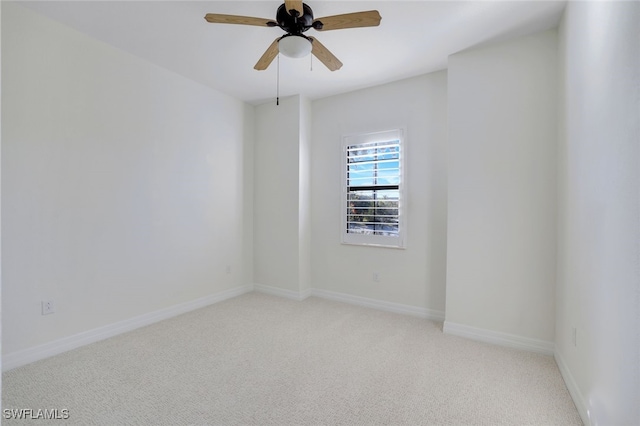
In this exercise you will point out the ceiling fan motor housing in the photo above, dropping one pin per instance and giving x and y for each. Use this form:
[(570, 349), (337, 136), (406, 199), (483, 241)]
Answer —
[(292, 24)]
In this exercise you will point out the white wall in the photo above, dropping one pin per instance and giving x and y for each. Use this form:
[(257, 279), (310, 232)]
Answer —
[(304, 191), (414, 276), (122, 184), (502, 188), (281, 245), (598, 281), (248, 195)]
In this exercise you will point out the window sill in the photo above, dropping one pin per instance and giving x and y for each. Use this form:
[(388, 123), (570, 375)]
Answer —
[(379, 245)]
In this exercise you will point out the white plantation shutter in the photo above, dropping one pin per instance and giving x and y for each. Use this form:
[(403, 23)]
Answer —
[(372, 197)]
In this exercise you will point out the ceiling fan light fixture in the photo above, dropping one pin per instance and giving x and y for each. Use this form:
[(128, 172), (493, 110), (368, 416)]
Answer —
[(294, 46)]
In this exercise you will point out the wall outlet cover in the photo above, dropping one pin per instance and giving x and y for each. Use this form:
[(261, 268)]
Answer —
[(47, 307)]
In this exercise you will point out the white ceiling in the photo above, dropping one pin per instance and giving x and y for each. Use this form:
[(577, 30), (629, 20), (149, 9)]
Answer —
[(414, 37)]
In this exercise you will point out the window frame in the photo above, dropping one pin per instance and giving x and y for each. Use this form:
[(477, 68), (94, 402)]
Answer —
[(347, 238)]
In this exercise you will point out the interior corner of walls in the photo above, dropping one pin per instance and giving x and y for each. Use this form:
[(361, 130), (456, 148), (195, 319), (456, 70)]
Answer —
[(281, 292), (305, 293)]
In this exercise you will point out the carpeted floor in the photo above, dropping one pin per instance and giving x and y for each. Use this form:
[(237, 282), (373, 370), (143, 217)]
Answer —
[(263, 360)]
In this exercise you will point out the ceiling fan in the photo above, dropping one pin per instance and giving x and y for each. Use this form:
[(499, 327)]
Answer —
[(296, 17)]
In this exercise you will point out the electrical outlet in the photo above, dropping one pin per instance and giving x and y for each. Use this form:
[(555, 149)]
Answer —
[(47, 307), (376, 276), (228, 269)]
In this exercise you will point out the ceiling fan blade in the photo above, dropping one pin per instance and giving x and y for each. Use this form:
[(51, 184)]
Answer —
[(294, 5), (370, 18), (268, 56), (324, 55), (217, 18)]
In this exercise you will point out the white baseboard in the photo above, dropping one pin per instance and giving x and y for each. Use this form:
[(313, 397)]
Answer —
[(281, 292), (398, 308), (574, 390), (36, 353), (499, 338)]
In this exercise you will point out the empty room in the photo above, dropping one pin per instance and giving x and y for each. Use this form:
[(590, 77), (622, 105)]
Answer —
[(322, 213)]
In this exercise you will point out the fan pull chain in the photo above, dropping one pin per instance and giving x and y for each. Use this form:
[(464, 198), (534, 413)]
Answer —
[(278, 82), (311, 61)]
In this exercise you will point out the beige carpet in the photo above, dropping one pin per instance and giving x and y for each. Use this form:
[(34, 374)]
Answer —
[(263, 360)]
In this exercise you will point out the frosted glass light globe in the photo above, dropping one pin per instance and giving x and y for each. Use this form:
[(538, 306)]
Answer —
[(294, 46)]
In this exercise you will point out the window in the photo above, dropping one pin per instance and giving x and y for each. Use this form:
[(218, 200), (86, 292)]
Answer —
[(372, 197)]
